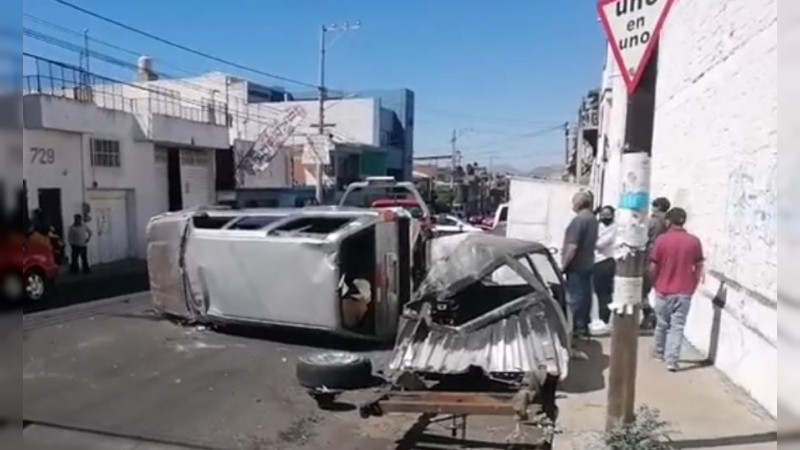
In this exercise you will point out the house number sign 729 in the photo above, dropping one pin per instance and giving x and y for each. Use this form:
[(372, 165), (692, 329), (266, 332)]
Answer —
[(45, 156)]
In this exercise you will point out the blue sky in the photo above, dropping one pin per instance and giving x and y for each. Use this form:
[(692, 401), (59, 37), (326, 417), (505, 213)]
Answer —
[(500, 68)]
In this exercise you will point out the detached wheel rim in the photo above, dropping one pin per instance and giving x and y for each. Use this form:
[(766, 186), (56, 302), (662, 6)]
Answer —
[(34, 286), (333, 358)]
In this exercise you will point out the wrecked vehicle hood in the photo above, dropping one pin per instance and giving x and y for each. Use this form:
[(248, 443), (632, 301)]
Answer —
[(484, 304)]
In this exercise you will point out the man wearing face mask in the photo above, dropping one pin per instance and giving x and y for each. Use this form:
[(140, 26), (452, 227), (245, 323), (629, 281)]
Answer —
[(605, 266)]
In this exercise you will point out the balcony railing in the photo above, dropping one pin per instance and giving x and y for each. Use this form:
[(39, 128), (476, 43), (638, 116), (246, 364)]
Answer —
[(590, 118), (56, 79)]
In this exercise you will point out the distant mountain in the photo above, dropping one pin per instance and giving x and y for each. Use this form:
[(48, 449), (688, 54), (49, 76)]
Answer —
[(552, 172), (507, 170)]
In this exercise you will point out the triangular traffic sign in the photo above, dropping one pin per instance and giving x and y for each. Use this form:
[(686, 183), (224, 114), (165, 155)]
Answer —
[(633, 28)]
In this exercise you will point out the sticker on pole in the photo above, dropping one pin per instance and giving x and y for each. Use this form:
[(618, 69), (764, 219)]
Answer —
[(633, 28)]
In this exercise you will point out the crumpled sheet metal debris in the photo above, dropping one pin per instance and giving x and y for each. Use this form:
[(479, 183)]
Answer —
[(522, 342), (527, 335)]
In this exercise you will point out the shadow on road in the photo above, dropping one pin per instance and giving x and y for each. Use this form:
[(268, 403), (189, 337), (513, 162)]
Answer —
[(106, 280), (586, 371), (689, 365), (417, 438), (301, 337)]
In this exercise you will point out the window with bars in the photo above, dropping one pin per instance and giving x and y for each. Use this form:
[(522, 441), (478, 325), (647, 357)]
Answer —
[(105, 153)]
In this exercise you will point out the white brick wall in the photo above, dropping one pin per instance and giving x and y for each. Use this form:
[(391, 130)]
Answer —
[(715, 153), (789, 190)]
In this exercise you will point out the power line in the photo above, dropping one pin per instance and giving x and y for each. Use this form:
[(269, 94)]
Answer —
[(182, 47), (468, 150), (518, 122), (133, 29), (329, 104), (76, 33), (129, 51), (169, 94), (121, 63), (487, 119)]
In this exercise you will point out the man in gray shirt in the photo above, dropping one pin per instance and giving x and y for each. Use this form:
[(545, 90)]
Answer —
[(580, 241)]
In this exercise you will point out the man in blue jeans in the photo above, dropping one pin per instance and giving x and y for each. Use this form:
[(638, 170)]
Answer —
[(676, 266), (580, 241)]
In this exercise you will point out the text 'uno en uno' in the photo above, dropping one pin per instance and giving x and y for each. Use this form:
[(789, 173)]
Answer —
[(639, 33)]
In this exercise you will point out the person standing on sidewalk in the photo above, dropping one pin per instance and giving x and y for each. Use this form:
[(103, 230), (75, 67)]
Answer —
[(605, 266), (79, 236), (676, 265), (580, 242), (656, 226)]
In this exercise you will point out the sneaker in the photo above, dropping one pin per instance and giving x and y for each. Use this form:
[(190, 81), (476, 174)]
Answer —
[(656, 355), (672, 368), (581, 334), (648, 323)]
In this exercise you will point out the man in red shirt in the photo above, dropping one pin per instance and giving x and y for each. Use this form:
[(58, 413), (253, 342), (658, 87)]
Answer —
[(676, 266)]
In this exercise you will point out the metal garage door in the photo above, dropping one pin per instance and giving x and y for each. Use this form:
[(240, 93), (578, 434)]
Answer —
[(162, 179), (196, 178), (109, 226)]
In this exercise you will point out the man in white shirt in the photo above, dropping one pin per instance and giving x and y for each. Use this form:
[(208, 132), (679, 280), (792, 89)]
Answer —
[(605, 267), (78, 237)]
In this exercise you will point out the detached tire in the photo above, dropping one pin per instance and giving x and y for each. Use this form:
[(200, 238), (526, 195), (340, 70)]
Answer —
[(334, 370)]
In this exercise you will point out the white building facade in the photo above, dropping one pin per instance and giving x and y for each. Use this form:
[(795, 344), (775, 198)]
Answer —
[(715, 153), (120, 153), (116, 163), (254, 112)]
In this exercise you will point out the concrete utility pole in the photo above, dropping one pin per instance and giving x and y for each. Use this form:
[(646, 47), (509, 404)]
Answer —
[(86, 52), (566, 144), (320, 193), (632, 226), (455, 155), (453, 151)]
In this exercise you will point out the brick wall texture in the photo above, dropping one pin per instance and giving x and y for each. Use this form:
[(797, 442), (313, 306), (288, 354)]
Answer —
[(715, 153)]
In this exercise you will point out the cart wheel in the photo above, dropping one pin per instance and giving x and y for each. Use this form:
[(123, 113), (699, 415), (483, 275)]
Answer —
[(334, 370)]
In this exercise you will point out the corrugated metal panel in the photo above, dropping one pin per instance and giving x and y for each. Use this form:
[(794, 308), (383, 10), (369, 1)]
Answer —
[(526, 335), (522, 342)]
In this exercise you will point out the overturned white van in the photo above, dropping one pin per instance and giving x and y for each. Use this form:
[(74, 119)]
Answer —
[(346, 271)]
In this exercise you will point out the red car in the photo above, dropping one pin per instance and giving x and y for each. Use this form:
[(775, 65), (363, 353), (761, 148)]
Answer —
[(27, 266), (411, 206)]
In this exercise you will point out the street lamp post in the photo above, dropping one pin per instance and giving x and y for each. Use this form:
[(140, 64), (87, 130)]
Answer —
[(323, 93)]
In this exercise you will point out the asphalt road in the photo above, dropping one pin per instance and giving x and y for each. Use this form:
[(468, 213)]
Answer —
[(112, 374)]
